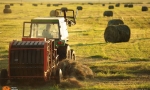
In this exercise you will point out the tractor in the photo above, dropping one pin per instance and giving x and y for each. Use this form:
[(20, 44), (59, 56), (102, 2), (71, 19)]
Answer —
[(43, 45)]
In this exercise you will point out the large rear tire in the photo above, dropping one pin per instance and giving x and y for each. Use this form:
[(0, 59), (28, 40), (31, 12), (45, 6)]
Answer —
[(4, 77), (64, 52)]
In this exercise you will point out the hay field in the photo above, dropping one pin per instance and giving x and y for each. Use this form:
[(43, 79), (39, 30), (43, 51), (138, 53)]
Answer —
[(123, 65)]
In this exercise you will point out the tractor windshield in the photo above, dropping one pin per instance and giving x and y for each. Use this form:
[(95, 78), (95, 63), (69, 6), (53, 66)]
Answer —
[(46, 30)]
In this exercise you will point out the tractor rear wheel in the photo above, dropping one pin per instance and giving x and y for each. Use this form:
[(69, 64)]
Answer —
[(4, 77), (68, 51), (73, 56), (64, 52), (58, 76)]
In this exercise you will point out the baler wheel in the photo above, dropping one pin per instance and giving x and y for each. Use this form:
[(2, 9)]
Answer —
[(58, 76), (4, 77)]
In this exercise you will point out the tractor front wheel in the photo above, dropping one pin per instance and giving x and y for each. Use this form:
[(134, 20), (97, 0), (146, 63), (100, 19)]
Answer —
[(73, 56), (4, 77)]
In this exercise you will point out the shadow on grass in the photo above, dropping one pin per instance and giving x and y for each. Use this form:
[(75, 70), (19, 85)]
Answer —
[(4, 56), (143, 87), (139, 70), (2, 47), (41, 85), (139, 39), (117, 77), (81, 44), (138, 59), (9, 25), (77, 31), (81, 31), (33, 85), (121, 72), (98, 57), (4, 51)]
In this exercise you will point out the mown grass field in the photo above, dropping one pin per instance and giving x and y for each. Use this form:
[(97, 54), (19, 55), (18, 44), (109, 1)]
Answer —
[(123, 65)]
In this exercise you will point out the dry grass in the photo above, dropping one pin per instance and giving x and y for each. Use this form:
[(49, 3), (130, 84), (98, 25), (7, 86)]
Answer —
[(71, 83), (75, 69)]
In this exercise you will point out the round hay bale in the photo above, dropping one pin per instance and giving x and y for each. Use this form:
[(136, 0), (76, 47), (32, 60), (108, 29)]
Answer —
[(125, 5), (111, 34), (108, 13), (130, 5), (7, 10), (7, 6), (115, 22), (21, 4), (60, 4), (75, 69), (48, 5), (64, 8), (56, 5), (11, 4), (90, 3), (117, 33), (34, 4), (103, 4), (110, 7), (124, 31), (79, 8), (117, 5), (144, 8), (54, 13)]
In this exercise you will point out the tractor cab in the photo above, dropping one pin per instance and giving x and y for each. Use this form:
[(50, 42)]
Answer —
[(47, 28)]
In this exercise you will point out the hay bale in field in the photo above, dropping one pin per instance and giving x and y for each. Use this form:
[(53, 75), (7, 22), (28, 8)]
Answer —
[(117, 33), (103, 4), (144, 8), (54, 13), (56, 5), (111, 34), (7, 10), (60, 4), (124, 31), (90, 3), (108, 13), (115, 22), (21, 4), (110, 7), (125, 5), (48, 5), (75, 69), (79, 8), (130, 5), (34, 4), (7, 6), (11, 4), (64, 8), (117, 5)]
